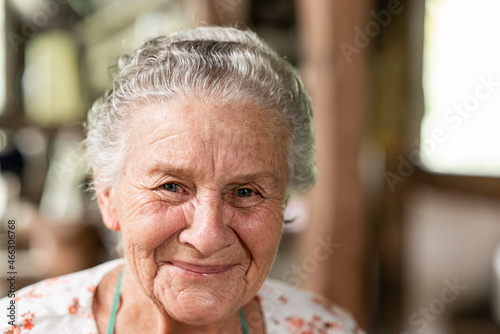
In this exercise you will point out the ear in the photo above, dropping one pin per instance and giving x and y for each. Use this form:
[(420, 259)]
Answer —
[(108, 210)]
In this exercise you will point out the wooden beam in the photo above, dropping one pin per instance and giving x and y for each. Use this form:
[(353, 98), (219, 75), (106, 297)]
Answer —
[(339, 89), (481, 185)]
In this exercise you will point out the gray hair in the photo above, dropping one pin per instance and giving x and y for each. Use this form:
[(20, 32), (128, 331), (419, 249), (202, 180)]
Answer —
[(223, 64)]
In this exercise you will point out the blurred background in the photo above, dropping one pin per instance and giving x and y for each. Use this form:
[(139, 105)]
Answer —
[(403, 228)]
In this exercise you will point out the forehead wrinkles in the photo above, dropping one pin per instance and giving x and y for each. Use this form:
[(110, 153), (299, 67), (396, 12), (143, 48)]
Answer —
[(177, 124), (203, 110), (216, 143), (209, 119)]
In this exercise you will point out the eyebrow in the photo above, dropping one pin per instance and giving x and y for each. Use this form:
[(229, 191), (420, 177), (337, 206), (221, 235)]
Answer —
[(158, 167), (256, 176)]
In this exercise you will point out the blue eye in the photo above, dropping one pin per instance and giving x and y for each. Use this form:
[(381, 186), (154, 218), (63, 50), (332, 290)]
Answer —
[(244, 192), (172, 187)]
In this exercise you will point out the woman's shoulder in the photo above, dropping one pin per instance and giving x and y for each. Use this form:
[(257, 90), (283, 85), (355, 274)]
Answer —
[(288, 309), (63, 302)]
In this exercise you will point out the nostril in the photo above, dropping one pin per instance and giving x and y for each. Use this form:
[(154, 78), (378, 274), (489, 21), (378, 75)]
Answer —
[(207, 232)]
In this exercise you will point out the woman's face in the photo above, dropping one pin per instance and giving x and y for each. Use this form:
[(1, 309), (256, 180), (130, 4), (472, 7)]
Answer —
[(200, 205)]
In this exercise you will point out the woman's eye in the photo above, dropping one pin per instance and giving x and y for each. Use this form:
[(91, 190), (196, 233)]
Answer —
[(244, 192), (172, 187), (244, 197)]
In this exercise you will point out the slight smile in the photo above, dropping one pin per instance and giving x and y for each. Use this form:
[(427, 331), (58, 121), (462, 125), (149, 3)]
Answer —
[(204, 270)]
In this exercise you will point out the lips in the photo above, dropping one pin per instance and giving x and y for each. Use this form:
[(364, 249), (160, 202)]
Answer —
[(201, 269)]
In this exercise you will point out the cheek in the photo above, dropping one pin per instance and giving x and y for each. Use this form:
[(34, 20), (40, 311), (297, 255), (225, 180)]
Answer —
[(146, 225), (150, 222), (261, 232)]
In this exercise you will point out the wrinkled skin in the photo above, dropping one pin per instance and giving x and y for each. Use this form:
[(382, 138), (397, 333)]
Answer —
[(199, 204)]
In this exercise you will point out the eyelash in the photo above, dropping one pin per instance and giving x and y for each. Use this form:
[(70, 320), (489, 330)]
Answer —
[(169, 184), (239, 197), (252, 192)]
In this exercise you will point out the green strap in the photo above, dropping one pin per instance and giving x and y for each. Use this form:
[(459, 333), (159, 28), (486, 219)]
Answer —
[(244, 326), (116, 302)]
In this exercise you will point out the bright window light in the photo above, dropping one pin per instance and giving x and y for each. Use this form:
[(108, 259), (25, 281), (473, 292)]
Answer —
[(461, 128)]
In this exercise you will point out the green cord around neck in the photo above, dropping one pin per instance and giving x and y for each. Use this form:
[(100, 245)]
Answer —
[(244, 326), (116, 302)]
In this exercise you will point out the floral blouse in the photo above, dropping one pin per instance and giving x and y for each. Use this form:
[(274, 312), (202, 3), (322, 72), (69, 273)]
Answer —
[(63, 305)]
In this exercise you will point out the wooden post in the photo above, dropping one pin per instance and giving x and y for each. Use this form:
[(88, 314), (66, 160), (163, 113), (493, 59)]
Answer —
[(338, 84)]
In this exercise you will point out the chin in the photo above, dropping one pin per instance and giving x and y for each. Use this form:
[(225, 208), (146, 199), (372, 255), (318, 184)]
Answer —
[(201, 311)]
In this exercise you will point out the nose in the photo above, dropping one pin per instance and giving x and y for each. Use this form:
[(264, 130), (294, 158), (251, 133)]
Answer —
[(208, 231)]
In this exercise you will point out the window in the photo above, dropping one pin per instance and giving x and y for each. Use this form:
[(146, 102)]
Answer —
[(461, 127)]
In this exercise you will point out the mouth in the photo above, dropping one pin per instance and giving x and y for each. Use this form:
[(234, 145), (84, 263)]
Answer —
[(203, 270)]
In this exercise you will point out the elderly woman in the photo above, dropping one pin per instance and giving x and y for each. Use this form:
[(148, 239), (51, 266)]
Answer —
[(195, 151)]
